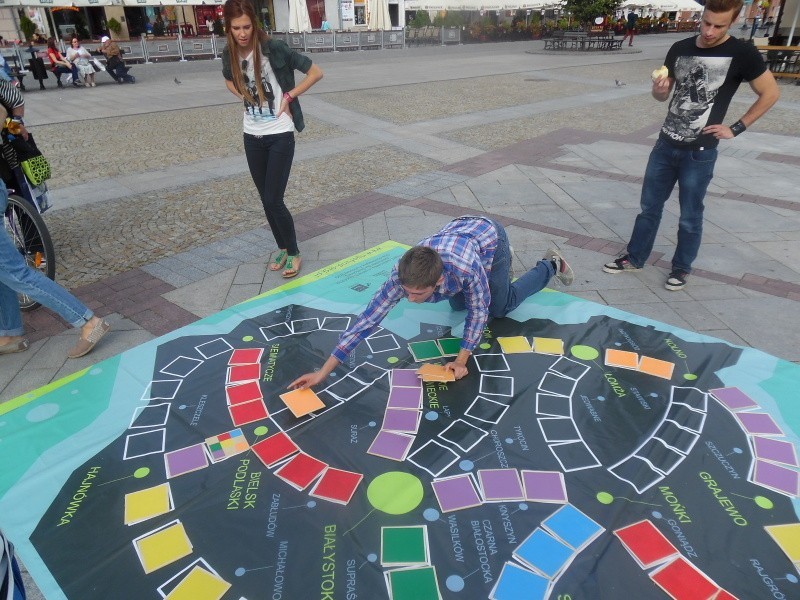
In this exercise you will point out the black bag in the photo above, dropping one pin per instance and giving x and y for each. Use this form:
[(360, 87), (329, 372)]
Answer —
[(25, 149), (37, 68), (19, 152)]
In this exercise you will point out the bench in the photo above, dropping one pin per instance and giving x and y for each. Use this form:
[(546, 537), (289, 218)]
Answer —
[(603, 44), (783, 61), (575, 39), (555, 41), (581, 40), (16, 70)]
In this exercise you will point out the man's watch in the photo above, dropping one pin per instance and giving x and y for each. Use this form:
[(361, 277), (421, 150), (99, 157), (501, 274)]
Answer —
[(18, 120)]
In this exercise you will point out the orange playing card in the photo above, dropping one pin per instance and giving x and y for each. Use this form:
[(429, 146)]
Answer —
[(429, 372), (301, 402)]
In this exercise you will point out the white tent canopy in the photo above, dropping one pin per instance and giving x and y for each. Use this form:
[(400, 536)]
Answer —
[(378, 15), (150, 2), (475, 5), (664, 5), (298, 16)]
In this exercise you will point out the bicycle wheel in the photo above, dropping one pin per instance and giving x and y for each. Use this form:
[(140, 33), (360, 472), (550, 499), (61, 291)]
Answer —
[(27, 229)]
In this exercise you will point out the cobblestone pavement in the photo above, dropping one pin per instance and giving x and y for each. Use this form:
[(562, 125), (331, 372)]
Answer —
[(141, 229)]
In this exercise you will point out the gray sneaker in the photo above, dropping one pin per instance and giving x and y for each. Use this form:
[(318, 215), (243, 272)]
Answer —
[(563, 271), (676, 281), (620, 265)]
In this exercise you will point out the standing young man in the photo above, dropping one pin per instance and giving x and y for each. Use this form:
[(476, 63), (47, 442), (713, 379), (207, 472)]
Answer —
[(468, 263), (705, 72)]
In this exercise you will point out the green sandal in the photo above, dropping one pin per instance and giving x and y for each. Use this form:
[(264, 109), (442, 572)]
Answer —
[(292, 268), (278, 262)]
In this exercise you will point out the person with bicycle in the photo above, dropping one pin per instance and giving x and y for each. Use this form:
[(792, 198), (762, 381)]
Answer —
[(17, 277)]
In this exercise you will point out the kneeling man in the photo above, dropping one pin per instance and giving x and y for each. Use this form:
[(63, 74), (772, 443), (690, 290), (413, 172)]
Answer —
[(468, 262)]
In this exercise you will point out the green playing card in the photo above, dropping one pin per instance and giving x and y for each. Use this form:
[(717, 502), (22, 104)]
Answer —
[(404, 546), (449, 346), (425, 350)]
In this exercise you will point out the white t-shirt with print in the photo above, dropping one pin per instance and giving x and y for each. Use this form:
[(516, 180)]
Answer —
[(261, 120)]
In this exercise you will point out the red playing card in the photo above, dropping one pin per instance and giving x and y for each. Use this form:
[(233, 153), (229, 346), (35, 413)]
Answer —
[(275, 448), (301, 470), (337, 485), (681, 580), (244, 373), (248, 412), (646, 543), (243, 393), (246, 356)]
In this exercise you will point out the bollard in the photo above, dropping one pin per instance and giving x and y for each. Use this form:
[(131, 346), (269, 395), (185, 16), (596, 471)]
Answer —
[(180, 46), (144, 51)]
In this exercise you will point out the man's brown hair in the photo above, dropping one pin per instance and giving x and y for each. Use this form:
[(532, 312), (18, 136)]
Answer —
[(420, 267), (722, 6)]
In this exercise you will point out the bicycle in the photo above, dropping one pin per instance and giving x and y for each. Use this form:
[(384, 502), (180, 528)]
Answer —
[(23, 220)]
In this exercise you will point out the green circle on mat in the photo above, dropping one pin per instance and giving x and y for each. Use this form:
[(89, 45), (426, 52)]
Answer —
[(584, 352), (247, 338), (392, 360), (141, 472), (261, 430), (690, 376), (485, 346), (604, 498), (395, 493), (763, 502)]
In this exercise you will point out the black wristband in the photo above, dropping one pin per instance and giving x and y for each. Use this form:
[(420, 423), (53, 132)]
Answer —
[(738, 128), (18, 120)]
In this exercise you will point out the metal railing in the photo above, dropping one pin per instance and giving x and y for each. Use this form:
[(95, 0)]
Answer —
[(333, 41), (179, 47)]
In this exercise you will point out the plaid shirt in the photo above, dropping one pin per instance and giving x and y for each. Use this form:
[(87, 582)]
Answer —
[(466, 246)]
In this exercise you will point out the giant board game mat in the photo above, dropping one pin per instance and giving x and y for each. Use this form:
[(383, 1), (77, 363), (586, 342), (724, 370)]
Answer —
[(589, 453)]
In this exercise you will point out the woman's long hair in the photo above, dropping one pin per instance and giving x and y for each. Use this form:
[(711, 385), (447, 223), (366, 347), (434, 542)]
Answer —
[(51, 43), (234, 9)]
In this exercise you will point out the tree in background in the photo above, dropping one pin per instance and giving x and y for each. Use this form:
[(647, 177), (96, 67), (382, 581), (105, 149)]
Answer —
[(27, 26), (451, 18), (585, 11), (421, 19)]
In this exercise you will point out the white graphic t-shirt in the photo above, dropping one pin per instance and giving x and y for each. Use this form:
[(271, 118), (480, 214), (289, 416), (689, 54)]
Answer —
[(262, 120)]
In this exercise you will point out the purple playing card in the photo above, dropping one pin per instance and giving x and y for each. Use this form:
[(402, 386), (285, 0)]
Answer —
[(397, 419), (405, 378), (403, 397), (392, 445)]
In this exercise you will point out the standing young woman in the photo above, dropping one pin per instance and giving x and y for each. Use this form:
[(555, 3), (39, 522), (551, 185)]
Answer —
[(260, 71)]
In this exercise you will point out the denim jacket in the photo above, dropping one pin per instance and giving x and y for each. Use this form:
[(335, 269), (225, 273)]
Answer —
[(283, 61)]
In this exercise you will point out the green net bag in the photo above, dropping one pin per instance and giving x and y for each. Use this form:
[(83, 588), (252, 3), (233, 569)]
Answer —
[(36, 169)]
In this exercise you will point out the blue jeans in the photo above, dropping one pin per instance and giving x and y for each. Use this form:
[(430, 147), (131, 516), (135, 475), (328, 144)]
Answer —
[(62, 70), (692, 170), (270, 160), (17, 277), (508, 295)]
